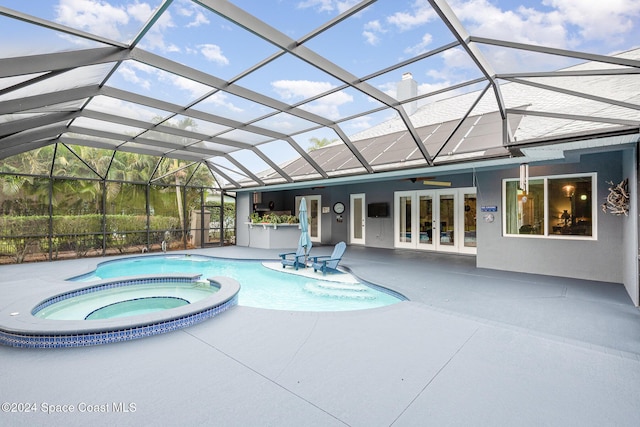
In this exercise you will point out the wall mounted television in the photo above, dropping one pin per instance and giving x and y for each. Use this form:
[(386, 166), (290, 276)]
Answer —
[(378, 210)]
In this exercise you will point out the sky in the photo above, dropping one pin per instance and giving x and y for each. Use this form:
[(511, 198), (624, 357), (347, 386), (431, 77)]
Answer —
[(381, 35)]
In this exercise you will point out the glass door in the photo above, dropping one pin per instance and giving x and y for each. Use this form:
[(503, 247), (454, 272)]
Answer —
[(425, 219), (447, 235), (440, 220), (357, 217), (469, 221), (404, 219)]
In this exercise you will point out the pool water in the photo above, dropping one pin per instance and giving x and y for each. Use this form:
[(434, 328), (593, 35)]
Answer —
[(127, 301), (260, 286), (136, 307)]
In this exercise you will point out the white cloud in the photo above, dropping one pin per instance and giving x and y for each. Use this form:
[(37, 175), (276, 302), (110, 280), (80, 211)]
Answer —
[(282, 125), (190, 10), (195, 89), (371, 37), (421, 13), (147, 77), (221, 99), (139, 11), (606, 20), (371, 31), (390, 88), (374, 26), (154, 39), (129, 72), (457, 58), (328, 5), (100, 17), (200, 19), (293, 91), (569, 24), (432, 87), (420, 47), (93, 16), (329, 106), (360, 123), (213, 53), (297, 90), (186, 10), (525, 25), (124, 109)]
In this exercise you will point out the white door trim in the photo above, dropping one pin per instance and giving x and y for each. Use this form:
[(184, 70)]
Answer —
[(316, 235), (352, 218)]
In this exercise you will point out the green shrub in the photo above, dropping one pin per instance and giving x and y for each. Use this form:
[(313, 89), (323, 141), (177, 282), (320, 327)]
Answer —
[(24, 225), (81, 234)]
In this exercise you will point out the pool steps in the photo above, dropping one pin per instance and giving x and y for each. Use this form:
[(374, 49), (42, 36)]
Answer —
[(339, 290)]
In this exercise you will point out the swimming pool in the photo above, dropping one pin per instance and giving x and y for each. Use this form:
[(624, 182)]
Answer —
[(263, 284), (139, 299)]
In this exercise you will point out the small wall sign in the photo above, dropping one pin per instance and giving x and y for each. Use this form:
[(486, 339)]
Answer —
[(488, 209)]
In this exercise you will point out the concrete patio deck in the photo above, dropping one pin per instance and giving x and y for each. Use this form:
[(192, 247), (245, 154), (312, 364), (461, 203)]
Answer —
[(472, 347)]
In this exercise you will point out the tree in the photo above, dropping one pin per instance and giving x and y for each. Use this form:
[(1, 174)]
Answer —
[(22, 191), (319, 143), (174, 165)]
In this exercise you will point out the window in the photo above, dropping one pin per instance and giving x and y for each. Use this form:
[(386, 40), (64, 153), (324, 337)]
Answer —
[(559, 206)]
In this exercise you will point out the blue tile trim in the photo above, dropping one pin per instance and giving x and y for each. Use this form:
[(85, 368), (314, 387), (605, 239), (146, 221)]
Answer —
[(106, 337)]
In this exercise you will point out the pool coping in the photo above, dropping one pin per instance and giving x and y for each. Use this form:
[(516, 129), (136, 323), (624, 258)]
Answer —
[(20, 328)]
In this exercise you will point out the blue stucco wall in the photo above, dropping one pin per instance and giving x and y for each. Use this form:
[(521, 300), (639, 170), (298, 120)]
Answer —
[(600, 259), (610, 258)]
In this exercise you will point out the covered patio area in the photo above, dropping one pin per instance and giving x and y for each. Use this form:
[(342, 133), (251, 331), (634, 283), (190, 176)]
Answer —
[(471, 347)]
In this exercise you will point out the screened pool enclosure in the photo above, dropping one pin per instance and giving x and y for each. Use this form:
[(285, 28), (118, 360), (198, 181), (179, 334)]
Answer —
[(131, 125), (81, 201)]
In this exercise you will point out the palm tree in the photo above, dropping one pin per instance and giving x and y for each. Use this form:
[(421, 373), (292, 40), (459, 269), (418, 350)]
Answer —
[(27, 190), (319, 143), (175, 164)]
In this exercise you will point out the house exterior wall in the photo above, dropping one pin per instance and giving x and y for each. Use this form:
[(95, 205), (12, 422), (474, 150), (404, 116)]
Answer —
[(630, 227), (610, 258), (600, 259)]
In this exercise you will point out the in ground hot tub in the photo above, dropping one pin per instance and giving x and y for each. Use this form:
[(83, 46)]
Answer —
[(117, 310)]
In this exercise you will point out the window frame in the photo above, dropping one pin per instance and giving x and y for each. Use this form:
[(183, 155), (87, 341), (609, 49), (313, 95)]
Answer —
[(546, 234)]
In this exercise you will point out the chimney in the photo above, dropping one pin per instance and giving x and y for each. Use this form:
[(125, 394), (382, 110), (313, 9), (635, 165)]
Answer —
[(408, 88)]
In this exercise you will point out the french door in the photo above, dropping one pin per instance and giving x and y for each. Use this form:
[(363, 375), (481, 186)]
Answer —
[(357, 219), (314, 206), (439, 220)]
